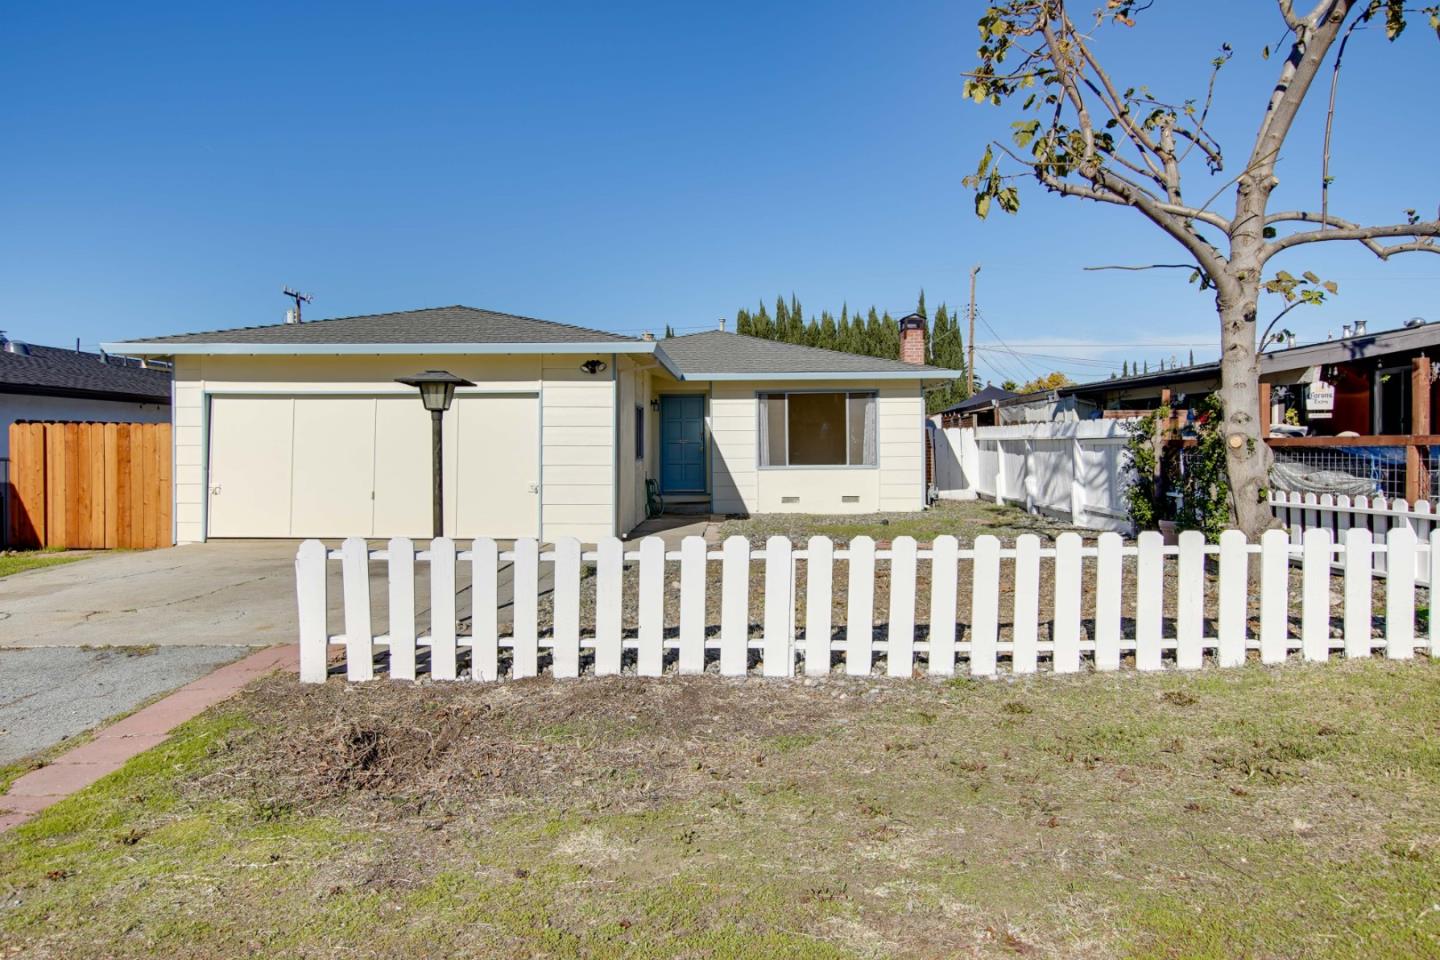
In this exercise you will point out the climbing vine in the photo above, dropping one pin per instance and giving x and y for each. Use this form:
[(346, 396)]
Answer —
[(1205, 485), (1143, 448)]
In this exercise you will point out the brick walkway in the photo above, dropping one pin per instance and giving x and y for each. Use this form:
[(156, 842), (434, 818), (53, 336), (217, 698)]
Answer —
[(143, 729)]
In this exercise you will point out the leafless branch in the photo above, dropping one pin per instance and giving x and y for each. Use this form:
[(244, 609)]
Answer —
[(1422, 234)]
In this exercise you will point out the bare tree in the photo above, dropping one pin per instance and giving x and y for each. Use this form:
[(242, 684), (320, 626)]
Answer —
[(1089, 137)]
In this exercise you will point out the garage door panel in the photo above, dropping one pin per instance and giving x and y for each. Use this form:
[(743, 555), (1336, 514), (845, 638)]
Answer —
[(497, 459), (249, 476), (334, 467), (402, 468)]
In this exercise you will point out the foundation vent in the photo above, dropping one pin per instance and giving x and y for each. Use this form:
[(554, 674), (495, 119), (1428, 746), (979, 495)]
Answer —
[(849, 499), (789, 499)]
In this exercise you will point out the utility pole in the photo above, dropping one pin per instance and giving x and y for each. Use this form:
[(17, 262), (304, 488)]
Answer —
[(970, 362)]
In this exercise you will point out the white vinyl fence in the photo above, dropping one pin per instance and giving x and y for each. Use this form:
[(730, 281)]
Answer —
[(1075, 471), (1338, 514), (1098, 614)]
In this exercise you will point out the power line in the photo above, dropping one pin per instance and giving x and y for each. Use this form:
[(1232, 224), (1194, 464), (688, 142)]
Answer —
[(981, 317)]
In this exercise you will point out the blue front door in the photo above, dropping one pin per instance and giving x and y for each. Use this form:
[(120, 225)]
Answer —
[(682, 444)]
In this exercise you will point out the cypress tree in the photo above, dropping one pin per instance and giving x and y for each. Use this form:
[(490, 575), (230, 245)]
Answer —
[(920, 308), (1124, 368), (827, 336)]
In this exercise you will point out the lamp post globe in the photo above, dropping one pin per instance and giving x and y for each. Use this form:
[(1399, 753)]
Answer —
[(437, 392)]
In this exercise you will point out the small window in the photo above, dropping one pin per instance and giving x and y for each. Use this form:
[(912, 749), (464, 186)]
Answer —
[(817, 429), (639, 432)]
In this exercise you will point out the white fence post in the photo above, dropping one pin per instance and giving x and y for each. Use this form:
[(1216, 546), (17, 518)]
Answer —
[(735, 608), (359, 638), (778, 644), (1077, 483), (1274, 596), (1190, 601), (944, 569), (900, 635), (565, 652), (1027, 604), (860, 607), (402, 608), (1358, 593), (525, 590), (1149, 599), (1315, 594), (650, 650), (1400, 594), (609, 586), (1068, 564), (1234, 598), (1109, 583), (484, 609), (310, 596), (442, 609), (819, 577), (984, 606), (692, 605)]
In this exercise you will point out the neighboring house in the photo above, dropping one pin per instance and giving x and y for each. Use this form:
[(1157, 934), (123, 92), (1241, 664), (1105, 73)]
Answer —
[(51, 383), (300, 430), (978, 410)]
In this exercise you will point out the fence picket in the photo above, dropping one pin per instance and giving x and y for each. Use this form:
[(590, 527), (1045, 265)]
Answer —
[(1190, 601), (650, 652), (692, 605), (735, 608), (1293, 516), (860, 608), (1025, 629), (1068, 565), (1327, 513), (310, 589), (1344, 518), (944, 569), (1274, 596), (1312, 516), (442, 609), (1400, 594), (1433, 614), (1149, 599), (1315, 595), (778, 643), (525, 652), (984, 606), (819, 579), (484, 609), (609, 589), (401, 576), (1358, 592), (565, 653), (359, 638), (1233, 598), (900, 634), (1379, 527), (1109, 584)]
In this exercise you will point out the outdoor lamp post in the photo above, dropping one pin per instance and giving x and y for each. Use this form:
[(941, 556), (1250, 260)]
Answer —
[(437, 390)]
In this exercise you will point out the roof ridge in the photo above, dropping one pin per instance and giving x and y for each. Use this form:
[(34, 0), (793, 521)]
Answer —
[(805, 346)]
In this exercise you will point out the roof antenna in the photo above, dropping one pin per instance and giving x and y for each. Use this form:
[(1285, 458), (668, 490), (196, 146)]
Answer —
[(299, 298)]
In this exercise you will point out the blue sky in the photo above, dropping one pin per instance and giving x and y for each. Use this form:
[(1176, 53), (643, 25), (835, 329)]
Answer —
[(625, 166)]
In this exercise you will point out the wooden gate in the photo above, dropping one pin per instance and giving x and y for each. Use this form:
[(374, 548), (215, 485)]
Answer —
[(90, 485)]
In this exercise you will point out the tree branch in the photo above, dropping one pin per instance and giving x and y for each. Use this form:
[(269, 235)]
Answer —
[(1422, 233)]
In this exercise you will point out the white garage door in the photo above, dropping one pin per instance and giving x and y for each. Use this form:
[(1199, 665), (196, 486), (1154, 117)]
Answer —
[(360, 466)]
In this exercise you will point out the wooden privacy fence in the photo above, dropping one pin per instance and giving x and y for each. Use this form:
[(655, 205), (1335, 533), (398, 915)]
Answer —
[(1337, 514), (90, 485), (1100, 616)]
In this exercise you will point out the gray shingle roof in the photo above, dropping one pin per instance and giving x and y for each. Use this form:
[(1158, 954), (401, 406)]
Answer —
[(457, 324), (735, 353), (983, 398), (53, 371)]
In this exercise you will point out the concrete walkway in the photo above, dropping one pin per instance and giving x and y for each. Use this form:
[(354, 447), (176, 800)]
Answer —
[(146, 728)]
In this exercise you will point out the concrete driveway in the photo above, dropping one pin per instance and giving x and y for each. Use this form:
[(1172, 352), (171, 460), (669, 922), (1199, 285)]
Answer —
[(230, 592)]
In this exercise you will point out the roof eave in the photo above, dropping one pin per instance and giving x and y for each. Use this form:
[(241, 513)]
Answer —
[(845, 375), (144, 348)]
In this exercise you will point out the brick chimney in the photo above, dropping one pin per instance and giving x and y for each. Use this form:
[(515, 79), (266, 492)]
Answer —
[(912, 339)]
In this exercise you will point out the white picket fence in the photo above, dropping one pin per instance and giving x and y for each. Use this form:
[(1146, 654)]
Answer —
[(1075, 471), (1081, 633), (1298, 513)]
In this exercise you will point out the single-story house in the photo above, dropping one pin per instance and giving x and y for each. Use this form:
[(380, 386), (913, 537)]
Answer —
[(977, 410), (54, 383), (301, 430)]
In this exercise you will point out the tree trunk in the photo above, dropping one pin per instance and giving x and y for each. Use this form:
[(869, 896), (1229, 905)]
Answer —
[(1247, 455)]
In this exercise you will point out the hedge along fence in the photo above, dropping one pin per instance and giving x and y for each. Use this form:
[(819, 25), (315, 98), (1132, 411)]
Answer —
[(1096, 633)]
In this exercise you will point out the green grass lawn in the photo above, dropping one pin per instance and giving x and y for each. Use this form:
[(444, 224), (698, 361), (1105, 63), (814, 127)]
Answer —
[(17, 561), (1259, 812)]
